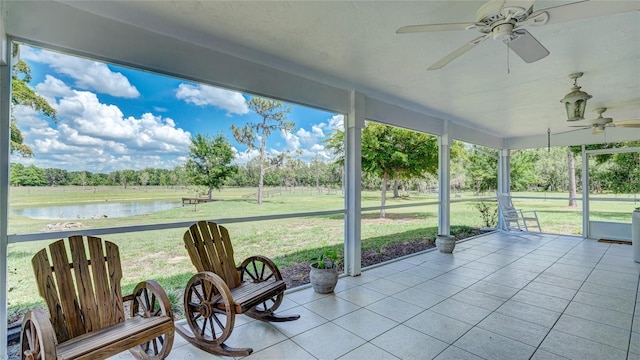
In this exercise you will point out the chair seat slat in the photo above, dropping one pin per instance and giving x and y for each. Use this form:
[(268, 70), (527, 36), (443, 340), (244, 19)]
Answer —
[(114, 339), (250, 294)]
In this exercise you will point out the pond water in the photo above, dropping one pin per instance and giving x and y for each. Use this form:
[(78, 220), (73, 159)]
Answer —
[(95, 210)]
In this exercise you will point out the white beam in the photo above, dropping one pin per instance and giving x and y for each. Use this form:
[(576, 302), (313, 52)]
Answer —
[(47, 24), (353, 177), (385, 113), (474, 136)]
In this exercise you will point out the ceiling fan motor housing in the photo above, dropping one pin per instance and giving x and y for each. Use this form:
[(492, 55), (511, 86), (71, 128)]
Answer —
[(499, 20), (494, 11), (502, 31)]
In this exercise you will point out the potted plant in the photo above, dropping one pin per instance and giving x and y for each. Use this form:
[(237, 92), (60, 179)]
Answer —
[(323, 274), (445, 243)]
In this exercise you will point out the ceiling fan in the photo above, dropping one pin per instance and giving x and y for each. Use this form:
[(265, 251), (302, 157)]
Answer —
[(504, 19), (600, 123)]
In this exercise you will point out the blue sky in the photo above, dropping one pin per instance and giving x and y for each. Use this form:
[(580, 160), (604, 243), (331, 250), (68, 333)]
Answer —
[(113, 118)]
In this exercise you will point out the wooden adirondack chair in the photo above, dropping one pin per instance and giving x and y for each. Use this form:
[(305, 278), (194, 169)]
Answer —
[(220, 290), (86, 308)]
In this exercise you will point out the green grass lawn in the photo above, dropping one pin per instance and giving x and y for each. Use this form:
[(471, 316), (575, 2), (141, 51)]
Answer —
[(160, 255)]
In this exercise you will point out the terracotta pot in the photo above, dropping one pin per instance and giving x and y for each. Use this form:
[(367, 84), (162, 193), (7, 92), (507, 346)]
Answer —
[(323, 280), (445, 243)]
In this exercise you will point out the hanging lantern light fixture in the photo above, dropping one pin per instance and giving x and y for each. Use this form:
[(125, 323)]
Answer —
[(575, 102)]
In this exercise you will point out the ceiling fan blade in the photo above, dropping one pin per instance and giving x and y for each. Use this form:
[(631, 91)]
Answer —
[(581, 126), (587, 9), (627, 125), (524, 4), (564, 132), (631, 123), (526, 46), (456, 53), (436, 27)]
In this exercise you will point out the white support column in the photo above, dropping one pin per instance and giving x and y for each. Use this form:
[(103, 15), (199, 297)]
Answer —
[(585, 193), (353, 174), (504, 178), (444, 189), (504, 171), (5, 114)]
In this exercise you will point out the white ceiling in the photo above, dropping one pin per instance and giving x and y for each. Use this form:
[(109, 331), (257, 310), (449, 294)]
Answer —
[(353, 45)]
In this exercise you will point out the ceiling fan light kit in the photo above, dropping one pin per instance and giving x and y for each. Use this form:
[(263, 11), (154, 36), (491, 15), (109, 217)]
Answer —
[(575, 102)]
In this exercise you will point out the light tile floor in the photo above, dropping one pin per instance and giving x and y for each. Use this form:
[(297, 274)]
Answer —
[(499, 296)]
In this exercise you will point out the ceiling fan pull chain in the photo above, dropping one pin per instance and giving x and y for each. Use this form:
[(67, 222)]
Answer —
[(548, 139)]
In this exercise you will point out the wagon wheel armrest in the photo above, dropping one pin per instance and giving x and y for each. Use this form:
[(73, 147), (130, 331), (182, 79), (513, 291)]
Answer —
[(259, 268), (37, 336), (248, 261), (153, 294)]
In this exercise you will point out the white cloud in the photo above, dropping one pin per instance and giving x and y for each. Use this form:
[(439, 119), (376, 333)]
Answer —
[(27, 117), (52, 88), (94, 136), (87, 74), (336, 122), (293, 141), (244, 156), (202, 95), (309, 142)]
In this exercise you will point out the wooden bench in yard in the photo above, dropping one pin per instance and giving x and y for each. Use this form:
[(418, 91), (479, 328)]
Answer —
[(220, 290), (86, 308)]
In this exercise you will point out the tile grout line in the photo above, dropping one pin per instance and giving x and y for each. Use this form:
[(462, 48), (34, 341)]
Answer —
[(403, 322), (570, 301), (478, 280), (493, 311), (633, 318), (522, 288)]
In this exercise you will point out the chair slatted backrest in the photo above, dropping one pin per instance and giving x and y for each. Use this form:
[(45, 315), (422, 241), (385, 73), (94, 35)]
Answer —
[(209, 247), (506, 205), (83, 295)]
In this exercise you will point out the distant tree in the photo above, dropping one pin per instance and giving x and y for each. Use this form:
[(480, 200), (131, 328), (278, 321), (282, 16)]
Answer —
[(274, 115), (144, 178), (114, 177), (624, 176), (99, 179), (26, 176), (22, 94), (390, 152), (573, 189), (482, 169), (551, 168), (621, 177), (209, 162), (127, 177), (523, 172), (15, 174), (81, 178), (55, 176)]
